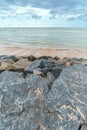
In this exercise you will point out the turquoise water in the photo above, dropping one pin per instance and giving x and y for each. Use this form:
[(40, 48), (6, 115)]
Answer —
[(44, 37)]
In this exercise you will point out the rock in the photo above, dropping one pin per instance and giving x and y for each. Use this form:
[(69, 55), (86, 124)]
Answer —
[(77, 59), (22, 63), (60, 63), (50, 77), (9, 66), (44, 57), (56, 71), (9, 57), (11, 77), (66, 59), (56, 58), (45, 71), (46, 66), (7, 61), (34, 65), (68, 97), (31, 58), (21, 101), (6, 66), (49, 64)]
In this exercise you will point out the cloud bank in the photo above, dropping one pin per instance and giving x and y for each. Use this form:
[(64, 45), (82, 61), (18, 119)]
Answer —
[(64, 9)]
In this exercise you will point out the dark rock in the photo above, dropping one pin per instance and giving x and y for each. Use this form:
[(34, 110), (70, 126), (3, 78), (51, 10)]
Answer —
[(26, 72), (44, 57), (35, 64), (31, 58), (56, 71), (9, 57), (66, 59), (13, 58), (49, 65), (77, 59), (45, 71), (60, 63), (46, 66), (56, 58)]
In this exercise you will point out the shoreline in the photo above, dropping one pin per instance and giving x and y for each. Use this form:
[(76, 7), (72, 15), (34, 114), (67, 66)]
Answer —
[(43, 51)]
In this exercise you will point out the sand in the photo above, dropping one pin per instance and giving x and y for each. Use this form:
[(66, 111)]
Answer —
[(21, 51)]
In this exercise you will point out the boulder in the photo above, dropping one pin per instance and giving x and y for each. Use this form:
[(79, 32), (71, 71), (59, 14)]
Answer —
[(34, 65), (9, 66), (68, 97), (77, 59), (44, 57), (31, 58), (9, 57), (7, 61), (56, 71), (6, 66), (56, 58), (21, 101), (22, 63), (10, 77)]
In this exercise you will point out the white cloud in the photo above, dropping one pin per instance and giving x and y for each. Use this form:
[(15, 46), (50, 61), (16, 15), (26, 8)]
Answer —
[(70, 16), (35, 12), (18, 10)]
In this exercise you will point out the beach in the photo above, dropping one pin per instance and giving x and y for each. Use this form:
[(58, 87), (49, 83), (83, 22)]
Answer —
[(60, 52)]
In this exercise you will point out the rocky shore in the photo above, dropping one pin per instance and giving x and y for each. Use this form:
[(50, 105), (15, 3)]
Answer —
[(43, 93)]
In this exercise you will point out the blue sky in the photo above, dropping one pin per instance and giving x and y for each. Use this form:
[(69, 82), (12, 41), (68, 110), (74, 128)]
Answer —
[(43, 13)]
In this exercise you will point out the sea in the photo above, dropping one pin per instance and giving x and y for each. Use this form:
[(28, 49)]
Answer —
[(44, 37)]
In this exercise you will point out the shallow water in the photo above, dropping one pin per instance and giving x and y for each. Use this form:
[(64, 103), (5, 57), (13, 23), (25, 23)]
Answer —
[(44, 37)]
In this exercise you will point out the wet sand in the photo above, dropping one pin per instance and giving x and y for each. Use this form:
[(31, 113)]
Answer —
[(19, 51)]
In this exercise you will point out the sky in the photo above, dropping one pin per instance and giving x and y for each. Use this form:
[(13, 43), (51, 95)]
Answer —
[(43, 13)]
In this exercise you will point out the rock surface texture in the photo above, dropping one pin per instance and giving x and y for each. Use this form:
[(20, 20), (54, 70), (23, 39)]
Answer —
[(55, 98)]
